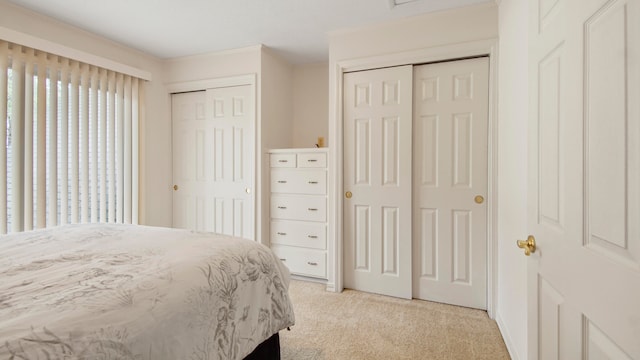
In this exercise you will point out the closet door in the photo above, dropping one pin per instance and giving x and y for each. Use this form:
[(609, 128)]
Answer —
[(450, 182), (377, 181), (213, 161)]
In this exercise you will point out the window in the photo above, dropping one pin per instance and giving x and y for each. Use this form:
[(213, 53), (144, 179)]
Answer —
[(71, 141)]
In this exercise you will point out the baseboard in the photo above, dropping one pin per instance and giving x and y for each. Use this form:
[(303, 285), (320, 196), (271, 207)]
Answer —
[(507, 338), (331, 287), (308, 279)]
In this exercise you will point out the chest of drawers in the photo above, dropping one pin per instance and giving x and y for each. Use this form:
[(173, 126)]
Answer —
[(298, 209)]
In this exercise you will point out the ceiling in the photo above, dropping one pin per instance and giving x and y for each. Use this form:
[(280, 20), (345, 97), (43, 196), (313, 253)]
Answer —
[(295, 29)]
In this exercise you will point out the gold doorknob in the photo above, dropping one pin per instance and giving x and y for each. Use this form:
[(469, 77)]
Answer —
[(528, 245), (479, 199), (175, 187), (348, 194)]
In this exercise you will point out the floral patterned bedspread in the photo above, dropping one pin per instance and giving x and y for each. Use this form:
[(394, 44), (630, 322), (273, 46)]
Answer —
[(137, 292)]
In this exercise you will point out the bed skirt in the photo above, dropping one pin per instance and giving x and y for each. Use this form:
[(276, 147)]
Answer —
[(267, 350)]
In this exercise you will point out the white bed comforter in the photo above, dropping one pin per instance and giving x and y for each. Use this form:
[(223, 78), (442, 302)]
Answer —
[(137, 292)]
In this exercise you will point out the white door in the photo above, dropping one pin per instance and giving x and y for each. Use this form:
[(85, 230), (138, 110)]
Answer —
[(377, 173), (450, 182), (584, 180), (213, 161)]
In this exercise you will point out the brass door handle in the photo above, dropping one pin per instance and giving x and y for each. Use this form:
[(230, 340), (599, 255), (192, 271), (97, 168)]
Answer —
[(175, 187), (348, 194), (528, 245), (479, 199)]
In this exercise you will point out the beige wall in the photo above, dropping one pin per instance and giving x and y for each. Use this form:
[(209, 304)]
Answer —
[(274, 108), (512, 166), (509, 23), (192, 73), (276, 125), (387, 44), (273, 102), (212, 66), (310, 104), (155, 153), (277, 77), (418, 32), (445, 28), (299, 103), (156, 205)]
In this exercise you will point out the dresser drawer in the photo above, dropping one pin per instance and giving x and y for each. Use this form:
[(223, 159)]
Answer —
[(282, 160), (302, 261), (299, 233), (299, 181), (299, 207), (312, 160)]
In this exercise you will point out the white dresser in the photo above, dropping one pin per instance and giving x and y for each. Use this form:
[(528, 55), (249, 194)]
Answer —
[(299, 209)]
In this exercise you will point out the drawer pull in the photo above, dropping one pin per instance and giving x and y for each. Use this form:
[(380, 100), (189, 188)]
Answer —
[(282, 181), (312, 160), (312, 263), (283, 161), (313, 182), (282, 234), (312, 236), (312, 209), (282, 207)]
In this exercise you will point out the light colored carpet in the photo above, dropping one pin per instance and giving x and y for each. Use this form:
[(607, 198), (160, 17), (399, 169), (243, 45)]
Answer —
[(355, 325)]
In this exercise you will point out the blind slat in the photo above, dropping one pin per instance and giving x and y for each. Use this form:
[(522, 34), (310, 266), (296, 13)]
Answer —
[(28, 144), (103, 146), (74, 152), (112, 147), (127, 149), (120, 149), (84, 143), (93, 127), (17, 145), (64, 143), (135, 123), (4, 66), (72, 141), (52, 216), (41, 146)]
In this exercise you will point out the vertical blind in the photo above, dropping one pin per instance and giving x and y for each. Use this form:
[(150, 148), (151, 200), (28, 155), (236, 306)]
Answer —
[(71, 141)]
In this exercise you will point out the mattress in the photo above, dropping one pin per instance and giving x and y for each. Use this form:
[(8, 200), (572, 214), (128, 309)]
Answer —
[(137, 292)]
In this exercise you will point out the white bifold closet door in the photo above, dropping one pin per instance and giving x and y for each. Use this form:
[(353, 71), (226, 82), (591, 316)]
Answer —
[(213, 161), (450, 182), (377, 177)]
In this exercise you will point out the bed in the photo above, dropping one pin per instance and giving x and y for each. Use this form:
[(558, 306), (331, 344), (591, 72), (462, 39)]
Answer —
[(138, 292)]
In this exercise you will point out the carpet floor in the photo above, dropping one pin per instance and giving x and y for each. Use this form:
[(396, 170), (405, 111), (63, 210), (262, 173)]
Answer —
[(355, 325)]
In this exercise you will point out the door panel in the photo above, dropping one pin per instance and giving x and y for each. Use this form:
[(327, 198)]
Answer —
[(377, 171), (213, 160), (189, 124), (584, 179), (450, 170)]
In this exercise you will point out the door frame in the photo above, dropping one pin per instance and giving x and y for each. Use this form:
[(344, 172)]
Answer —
[(335, 270), (229, 81)]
